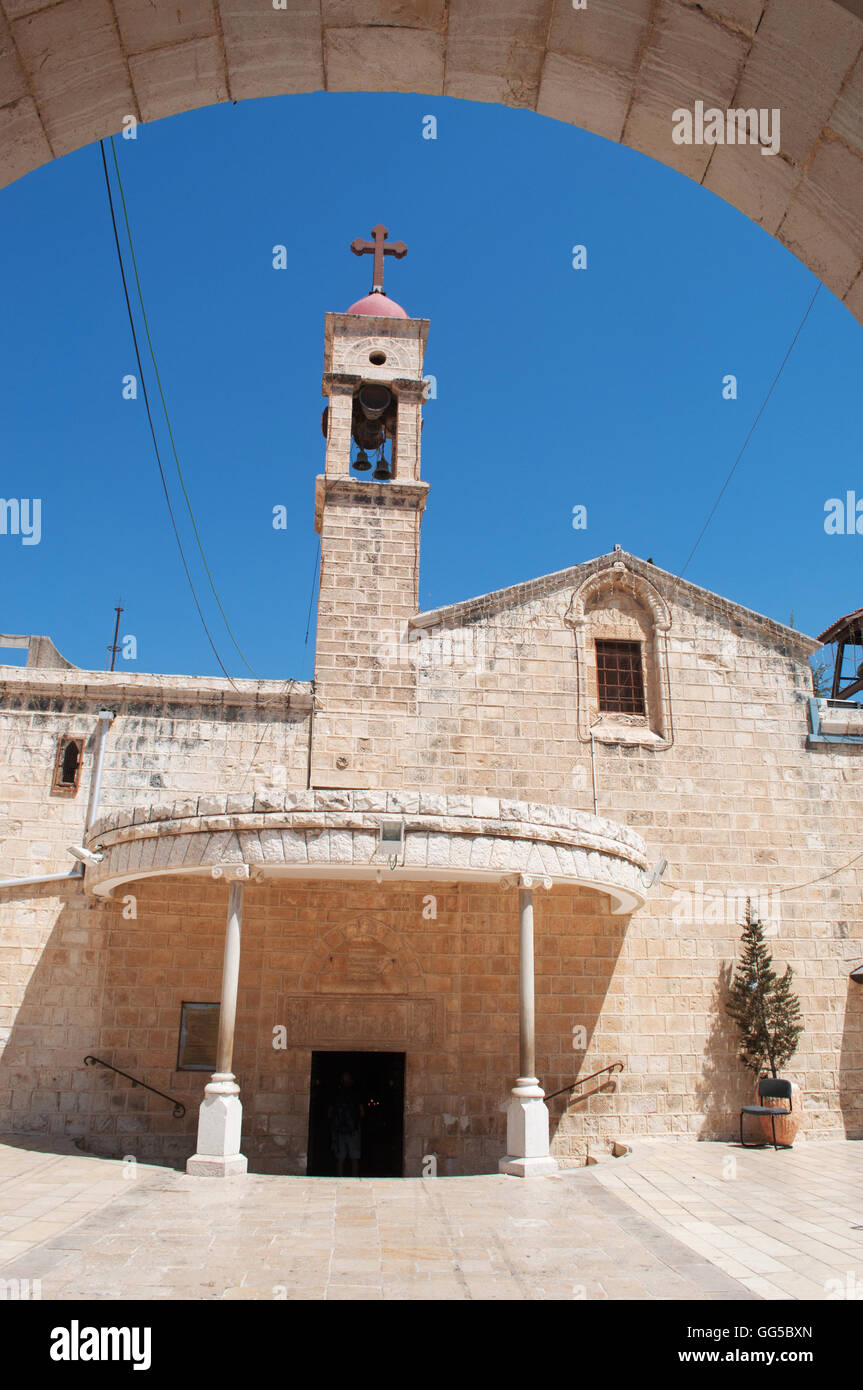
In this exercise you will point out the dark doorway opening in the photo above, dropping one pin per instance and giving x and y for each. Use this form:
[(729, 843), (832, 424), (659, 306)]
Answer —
[(378, 1087)]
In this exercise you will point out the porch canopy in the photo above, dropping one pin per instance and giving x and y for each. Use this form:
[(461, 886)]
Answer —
[(366, 834), (360, 835)]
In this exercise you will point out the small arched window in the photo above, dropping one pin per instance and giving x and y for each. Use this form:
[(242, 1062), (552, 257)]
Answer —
[(620, 621), (67, 766)]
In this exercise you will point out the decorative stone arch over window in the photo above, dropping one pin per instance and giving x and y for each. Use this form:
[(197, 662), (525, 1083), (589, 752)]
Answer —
[(616, 604), (398, 356)]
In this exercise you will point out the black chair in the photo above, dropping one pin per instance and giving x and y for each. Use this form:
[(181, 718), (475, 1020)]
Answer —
[(770, 1087)]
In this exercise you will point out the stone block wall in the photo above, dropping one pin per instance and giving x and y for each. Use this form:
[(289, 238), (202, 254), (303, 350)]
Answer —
[(340, 966), (165, 743), (364, 687), (734, 800), (364, 967)]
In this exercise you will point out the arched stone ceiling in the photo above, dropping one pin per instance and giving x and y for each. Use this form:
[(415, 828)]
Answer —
[(71, 70)]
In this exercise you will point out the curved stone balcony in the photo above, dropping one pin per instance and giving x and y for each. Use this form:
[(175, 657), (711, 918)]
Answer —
[(338, 834)]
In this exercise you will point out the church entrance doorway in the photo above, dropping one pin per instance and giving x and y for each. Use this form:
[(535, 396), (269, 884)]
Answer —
[(356, 1114)]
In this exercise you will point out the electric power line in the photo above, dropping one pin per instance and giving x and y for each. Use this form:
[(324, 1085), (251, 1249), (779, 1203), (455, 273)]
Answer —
[(165, 411), (312, 594), (751, 432), (150, 417), (831, 873), (794, 887)]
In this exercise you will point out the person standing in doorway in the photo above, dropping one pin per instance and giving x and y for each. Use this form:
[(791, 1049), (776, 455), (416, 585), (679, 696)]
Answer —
[(346, 1117)]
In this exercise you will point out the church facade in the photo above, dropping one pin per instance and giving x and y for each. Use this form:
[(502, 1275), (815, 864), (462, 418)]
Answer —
[(488, 852)]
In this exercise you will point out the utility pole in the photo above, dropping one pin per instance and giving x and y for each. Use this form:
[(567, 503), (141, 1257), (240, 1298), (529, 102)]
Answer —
[(114, 649)]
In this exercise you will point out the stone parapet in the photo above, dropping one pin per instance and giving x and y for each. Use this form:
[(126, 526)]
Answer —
[(116, 688)]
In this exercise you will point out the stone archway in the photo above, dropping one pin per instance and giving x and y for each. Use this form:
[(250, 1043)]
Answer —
[(71, 71)]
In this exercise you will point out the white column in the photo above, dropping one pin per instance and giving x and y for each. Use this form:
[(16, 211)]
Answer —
[(220, 1118), (527, 1118)]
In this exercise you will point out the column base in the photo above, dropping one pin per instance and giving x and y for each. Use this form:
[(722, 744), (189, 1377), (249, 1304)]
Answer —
[(527, 1167), (207, 1166), (527, 1153), (220, 1122)]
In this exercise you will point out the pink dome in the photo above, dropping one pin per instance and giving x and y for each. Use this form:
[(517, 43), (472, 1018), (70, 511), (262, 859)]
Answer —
[(377, 304)]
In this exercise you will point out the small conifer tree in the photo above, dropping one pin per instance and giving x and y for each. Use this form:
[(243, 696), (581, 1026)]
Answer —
[(762, 1004)]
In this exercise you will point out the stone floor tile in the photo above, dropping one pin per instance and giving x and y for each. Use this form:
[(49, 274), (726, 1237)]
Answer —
[(765, 1289), (352, 1292), (663, 1223)]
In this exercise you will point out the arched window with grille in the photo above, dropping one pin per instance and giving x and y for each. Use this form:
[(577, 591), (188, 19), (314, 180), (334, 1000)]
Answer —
[(620, 622)]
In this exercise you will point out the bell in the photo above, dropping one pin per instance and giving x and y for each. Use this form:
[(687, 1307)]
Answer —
[(374, 400), (382, 473), (362, 463)]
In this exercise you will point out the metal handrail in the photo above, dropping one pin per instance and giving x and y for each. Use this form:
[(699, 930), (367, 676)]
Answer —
[(583, 1080), (179, 1107)]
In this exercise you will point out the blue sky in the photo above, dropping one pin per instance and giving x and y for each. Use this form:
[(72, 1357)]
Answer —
[(555, 387)]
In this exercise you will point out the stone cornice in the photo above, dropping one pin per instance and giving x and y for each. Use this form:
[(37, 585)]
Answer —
[(364, 325), (112, 689), (409, 388), (345, 383), (395, 494), (342, 383), (363, 809)]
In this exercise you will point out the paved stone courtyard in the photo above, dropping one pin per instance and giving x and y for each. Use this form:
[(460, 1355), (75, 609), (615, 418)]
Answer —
[(668, 1221)]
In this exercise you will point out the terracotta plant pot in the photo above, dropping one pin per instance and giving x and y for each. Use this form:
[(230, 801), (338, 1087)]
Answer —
[(759, 1129)]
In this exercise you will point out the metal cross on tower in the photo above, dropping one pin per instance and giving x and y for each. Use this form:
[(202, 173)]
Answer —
[(378, 249)]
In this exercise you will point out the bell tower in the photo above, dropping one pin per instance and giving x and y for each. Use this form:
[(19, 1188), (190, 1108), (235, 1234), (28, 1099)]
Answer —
[(368, 509)]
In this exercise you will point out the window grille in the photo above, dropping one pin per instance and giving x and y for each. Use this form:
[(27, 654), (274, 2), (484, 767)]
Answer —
[(619, 678)]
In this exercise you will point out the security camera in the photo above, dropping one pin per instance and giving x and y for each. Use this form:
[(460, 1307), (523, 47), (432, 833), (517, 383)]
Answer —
[(86, 856)]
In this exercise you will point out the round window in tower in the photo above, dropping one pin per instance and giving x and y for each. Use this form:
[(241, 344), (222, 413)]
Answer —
[(377, 359)]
